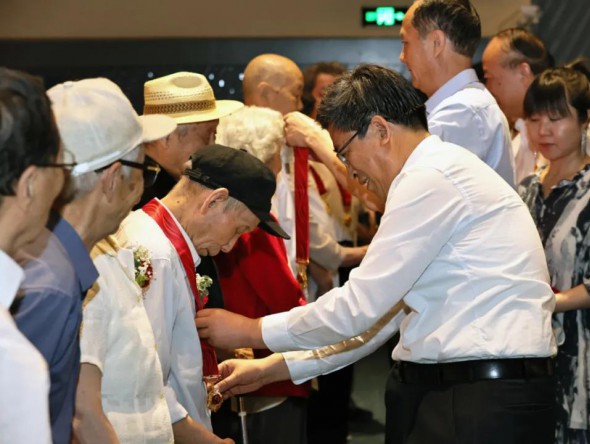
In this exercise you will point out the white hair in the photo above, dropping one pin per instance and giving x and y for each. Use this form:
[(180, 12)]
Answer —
[(259, 131), (84, 183)]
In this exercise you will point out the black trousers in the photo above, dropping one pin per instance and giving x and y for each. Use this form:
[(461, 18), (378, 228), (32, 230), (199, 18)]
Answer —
[(284, 424), (500, 411), (327, 417)]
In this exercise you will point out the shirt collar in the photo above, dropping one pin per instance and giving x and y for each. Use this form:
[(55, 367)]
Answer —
[(12, 276), (457, 83), (108, 245), (430, 142), (79, 256), (189, 242), (422, 149), (111, 246)]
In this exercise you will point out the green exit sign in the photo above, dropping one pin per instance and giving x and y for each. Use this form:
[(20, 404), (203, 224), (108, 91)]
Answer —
[(384, 16)]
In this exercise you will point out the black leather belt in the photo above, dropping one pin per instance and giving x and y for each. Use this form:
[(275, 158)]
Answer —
[(469, 371)]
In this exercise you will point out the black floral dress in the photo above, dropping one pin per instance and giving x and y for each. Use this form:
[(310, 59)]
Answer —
[(563, 221)]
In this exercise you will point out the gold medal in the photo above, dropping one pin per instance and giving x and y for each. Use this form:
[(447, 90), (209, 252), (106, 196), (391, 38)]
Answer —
[(214, 396)]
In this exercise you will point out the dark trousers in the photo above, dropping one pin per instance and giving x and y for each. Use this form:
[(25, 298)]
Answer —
[(500, 411), (327, 418), (284, 424), (328, 410)]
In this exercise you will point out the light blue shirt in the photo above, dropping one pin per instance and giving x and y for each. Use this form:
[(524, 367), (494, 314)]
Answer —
[(463, 112), (58, 273)]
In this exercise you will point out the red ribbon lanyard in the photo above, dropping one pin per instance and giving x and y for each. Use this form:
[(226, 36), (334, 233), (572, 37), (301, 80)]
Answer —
[(168, 225), (301, 214), (318, 181)]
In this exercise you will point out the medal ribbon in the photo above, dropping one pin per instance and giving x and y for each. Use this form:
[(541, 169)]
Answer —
[(168, 225)]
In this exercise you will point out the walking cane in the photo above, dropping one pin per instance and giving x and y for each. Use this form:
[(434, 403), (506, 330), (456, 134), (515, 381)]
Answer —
[(242, 415)]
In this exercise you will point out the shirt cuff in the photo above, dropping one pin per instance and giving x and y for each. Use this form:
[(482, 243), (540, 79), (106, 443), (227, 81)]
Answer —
[(86, 358), (302, 366), (275, 333), (177, 411)]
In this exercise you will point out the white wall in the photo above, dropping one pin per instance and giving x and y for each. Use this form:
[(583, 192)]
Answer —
[(41, 19)]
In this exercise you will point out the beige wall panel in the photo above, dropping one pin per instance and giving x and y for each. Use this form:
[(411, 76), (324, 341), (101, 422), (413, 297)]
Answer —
[(97, 19)]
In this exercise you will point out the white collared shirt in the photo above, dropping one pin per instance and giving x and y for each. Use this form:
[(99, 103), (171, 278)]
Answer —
[(463, 112), (24, 378), (284, 208), (170, 306), (459, 247), (117, 337)]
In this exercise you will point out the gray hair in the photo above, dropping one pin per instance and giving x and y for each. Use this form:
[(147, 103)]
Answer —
[(458, 19), (84, 183), (258, 131)]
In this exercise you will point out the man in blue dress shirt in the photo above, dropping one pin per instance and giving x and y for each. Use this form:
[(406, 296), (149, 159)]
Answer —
[(439, 40)]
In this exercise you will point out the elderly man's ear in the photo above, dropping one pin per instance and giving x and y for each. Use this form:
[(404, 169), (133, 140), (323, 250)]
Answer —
[(110, 180), (215, 200), (265, 90), (25, 188)]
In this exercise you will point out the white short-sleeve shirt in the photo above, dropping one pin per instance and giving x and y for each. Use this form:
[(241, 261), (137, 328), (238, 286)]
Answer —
[(117, 337)]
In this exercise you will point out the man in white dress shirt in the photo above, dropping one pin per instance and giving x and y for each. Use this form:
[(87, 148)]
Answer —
[(31, 178), (224, 194), (439, 39), (471, 298), (510, 62)]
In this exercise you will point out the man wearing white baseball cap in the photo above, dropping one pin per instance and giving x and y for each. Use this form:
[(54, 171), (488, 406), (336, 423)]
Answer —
[(103, 137)]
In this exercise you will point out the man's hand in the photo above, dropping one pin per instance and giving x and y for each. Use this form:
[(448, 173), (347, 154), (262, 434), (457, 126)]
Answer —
[(227, 330), (244, 376), (301, 130), (322, 278), (353, 255)]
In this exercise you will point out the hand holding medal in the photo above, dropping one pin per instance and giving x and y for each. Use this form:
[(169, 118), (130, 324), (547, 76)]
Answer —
[(214, 396)]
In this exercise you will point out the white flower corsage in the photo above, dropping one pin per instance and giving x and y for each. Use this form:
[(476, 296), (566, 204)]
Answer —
[(203, 284), (143, 267)]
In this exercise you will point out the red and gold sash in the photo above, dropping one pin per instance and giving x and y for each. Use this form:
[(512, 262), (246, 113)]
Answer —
[(168, 225), (301, 214)]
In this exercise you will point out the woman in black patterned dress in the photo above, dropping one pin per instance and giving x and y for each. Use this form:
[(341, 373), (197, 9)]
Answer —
[(556, 107)]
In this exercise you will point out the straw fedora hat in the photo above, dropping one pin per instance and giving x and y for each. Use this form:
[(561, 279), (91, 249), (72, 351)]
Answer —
[(187, 97)]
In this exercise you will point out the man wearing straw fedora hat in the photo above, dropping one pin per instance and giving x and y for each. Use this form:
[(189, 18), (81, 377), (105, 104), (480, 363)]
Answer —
[(188, 98)]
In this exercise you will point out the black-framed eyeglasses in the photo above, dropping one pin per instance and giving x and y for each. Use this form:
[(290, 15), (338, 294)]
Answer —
[(68, 161), (341, 152), (150, 170)]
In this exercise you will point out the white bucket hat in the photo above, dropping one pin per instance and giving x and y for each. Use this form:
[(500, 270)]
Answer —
[(98, 124), (187, 97)]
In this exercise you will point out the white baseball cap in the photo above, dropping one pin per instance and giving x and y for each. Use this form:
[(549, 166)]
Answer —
[(98, 124)]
